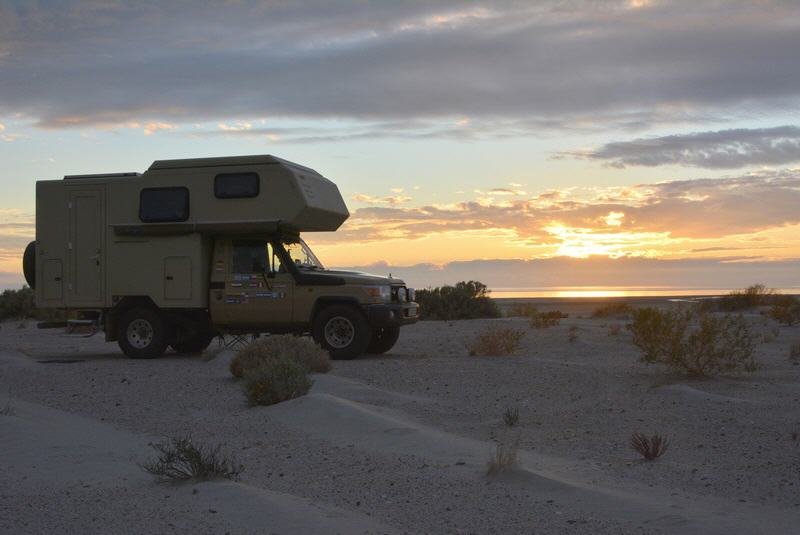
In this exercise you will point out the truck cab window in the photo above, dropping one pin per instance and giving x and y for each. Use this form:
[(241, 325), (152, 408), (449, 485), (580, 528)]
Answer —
[(250, 258)]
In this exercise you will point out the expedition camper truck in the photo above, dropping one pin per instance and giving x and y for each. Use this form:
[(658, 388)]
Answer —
[(193, 249)]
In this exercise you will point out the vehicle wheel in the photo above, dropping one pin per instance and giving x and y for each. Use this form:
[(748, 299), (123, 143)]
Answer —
[(197, 343), (383, 340), (342, 330), (142, 333)]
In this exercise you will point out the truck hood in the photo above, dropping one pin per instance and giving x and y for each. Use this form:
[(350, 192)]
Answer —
[(358, 277)]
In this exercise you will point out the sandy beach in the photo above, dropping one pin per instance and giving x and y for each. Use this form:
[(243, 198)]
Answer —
[(400, 443)]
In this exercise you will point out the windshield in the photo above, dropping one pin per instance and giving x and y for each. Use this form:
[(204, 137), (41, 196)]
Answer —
[(302, 256)]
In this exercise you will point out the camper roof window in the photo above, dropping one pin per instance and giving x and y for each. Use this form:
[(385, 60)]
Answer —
[(161, 205), (236, 185)]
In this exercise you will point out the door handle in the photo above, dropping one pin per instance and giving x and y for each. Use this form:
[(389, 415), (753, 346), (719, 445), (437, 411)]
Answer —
[(170, 277)]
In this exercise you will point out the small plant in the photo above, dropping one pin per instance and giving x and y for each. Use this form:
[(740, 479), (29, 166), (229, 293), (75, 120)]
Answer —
[(496, 341), (542, 320), (276, 380), (465, 300), (303, 350), (649, 448), (692, 343), (786, 310), (511, 416), (7, 409), (572, 334), (22, 325), (504, 460), (750, 297), (617, 309), (614, 330), (794, 352), (179, 459), (522, 310)]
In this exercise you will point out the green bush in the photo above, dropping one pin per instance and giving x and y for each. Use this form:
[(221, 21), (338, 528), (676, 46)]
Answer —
[(465, 300), (303, 350), (276, 380), (20, 305), (692, 343), (785, 309)]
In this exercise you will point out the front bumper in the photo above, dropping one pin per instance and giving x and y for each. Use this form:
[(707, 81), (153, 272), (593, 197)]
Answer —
[(390, 315)]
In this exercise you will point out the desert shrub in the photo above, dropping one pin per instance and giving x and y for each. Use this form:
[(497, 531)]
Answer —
[(649, 448), (750, 297), (785, 309), (465, 300), (7, 409), (303, 350), (20, 305), (616, 309), (614, 330), (794, 351), (692, 343), (522, 310), (181, 459), (511, 416), (572, 334), (496, 341), (276, 380), (505, 458), (542, 320)]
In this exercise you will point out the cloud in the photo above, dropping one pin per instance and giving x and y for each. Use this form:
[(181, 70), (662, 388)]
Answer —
[(510, 69), (724, 149), (612, 221), (391, 200)]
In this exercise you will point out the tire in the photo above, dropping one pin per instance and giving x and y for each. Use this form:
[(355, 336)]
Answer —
[(142, 333), (342, 330), (383, 340), (29, 264), (197, 343)]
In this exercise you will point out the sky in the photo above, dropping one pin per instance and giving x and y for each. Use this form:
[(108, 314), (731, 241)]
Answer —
[(527, 144)]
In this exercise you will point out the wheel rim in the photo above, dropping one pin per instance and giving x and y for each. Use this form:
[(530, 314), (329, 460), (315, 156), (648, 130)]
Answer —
[(140, 333), (339, 332)]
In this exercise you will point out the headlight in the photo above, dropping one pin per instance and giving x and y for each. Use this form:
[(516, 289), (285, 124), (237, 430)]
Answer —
[(412, 294), (401, 295), (384, 293)]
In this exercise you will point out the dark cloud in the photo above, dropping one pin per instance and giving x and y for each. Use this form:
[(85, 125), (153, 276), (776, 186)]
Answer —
[(724, 149), (516, 66)]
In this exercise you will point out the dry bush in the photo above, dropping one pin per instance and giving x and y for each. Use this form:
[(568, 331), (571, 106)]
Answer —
[(750, 297), (572, 334), (614, 330), (505, 458), (794, 351), (7, 409), (786, 310), (692, 343), (649, 448), (511, 416), (522, 310), (617, 309), (276, 380), (542, 320), (179, 459), (496, 341), (303, 350), (465, 300)]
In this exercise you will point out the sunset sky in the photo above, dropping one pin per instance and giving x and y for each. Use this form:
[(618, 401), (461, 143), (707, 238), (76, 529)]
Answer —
[(528, 144)]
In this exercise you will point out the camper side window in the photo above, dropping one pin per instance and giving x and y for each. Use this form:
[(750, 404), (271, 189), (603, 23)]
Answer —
[(162, 205), (236, 185)]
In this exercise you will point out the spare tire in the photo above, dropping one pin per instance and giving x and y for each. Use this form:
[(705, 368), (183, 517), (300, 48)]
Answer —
[(29, 264)]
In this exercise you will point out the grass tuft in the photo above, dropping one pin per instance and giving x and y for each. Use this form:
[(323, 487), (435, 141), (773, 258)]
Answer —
[(505, 458), (276, 380), (180, 459), (264, 350), (511, 416), (649, 448), (496, 341)]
